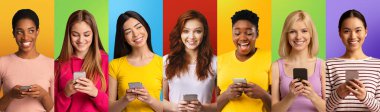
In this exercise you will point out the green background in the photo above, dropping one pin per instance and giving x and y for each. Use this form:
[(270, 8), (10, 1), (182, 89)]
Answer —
[(282, 8), (64, 8)]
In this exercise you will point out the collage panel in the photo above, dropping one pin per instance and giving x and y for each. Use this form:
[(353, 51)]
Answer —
[(244, 56), (189, 62), (136, 65), (27, 29)]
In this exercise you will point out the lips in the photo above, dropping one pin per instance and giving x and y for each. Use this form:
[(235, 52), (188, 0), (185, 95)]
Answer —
[(353, 42), (191, 42)]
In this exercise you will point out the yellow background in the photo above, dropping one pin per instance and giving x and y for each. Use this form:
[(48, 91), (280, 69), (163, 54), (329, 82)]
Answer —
[(227, 8), (45, 13)]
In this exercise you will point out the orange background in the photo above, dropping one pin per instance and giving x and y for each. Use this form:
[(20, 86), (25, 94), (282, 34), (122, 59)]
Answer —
[(227, 8)]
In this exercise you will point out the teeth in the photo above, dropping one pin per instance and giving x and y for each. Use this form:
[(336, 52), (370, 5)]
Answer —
[(299, 42), (26, 43), (243, 44), (138, 39)]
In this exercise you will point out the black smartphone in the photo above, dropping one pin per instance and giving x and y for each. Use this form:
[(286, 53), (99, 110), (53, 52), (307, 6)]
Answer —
[(300, 73)]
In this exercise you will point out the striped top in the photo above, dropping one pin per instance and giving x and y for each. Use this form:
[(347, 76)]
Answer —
[(369, 74)]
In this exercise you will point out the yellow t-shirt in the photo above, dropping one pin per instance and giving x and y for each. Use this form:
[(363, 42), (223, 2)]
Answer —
[(256, 70), (149, 75)]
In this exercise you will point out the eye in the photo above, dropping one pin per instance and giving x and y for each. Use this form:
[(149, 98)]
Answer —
[(346, 31), (139, 26), (127, 32), (304, 31), (358, 31), (18, 32), (185, 31), (198, 31), (292, 32), (236, 33), (31, 31)]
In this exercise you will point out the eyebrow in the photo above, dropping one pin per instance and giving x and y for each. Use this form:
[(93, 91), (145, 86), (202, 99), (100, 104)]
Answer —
[(133, 26)]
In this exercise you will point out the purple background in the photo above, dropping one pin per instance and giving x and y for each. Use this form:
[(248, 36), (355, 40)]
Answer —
[(371, 11)]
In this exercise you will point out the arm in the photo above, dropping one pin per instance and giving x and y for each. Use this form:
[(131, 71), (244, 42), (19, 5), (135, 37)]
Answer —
[(114, 104), (212, 106), (8, 98), (222, 100), (277, 105), (62, 102), (168, 107), (332, 97), (320, 102)]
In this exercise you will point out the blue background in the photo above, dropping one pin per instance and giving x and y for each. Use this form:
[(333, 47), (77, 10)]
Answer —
[(152, 12)]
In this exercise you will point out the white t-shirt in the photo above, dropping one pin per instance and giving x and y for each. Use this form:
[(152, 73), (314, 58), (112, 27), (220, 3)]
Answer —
[(188, 83)]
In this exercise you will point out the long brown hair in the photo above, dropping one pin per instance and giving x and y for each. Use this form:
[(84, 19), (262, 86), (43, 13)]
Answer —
[(178, 60), (92, 60)]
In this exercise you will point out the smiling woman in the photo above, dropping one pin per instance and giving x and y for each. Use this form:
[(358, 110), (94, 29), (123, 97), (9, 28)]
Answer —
[(32, 87), (82, 51)]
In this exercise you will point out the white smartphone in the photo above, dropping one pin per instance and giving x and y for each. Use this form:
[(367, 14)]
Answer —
[(78, 75), (239, 80)]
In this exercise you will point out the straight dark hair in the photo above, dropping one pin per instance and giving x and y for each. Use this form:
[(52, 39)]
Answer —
[(122, 48)]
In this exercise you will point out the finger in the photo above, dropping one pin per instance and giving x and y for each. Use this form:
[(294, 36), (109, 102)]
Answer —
[(359, 83), (306, 82), (183, 102), (139, 92), (78, 87), (78, 81), (82, 91), (352, 83), (352, 90)]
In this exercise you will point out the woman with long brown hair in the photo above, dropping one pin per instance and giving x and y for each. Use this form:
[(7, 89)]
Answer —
[(190, 67), (82, 53)]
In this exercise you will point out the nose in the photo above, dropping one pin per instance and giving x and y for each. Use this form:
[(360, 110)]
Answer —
[(353, 35), (134, 32)]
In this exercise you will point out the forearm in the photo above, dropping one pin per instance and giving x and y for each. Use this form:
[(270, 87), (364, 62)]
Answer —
[(319, 103), (118, 105), (4, 102), (222, 101), (47, 102), (283, 105), (211, 107), (156, 105), (267, 101), (169, 107)]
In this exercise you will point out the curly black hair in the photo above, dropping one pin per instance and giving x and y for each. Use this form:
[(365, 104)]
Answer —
[(23, 14), (246, 15)]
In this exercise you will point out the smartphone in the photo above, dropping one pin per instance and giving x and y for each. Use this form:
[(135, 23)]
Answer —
[(190, 97), (135, 85), (239, 80), (78, 75), (25, 88), (351, 75), (300, 73)]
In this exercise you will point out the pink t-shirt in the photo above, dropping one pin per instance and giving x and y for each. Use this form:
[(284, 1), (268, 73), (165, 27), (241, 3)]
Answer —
[(80, 102), (24, 72)]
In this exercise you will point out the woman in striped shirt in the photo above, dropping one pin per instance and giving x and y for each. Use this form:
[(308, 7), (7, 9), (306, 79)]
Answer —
[(363, 92)]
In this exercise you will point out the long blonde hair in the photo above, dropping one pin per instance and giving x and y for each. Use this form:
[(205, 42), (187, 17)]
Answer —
[(92, 60)]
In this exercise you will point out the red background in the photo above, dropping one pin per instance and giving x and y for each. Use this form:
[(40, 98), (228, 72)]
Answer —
[(174, 8)]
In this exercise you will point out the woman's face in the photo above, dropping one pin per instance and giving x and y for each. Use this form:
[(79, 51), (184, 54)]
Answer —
[(81, 36), (135, 33), (26, 34), (352, 33), (244, 36), (299, 36), (192, 34)]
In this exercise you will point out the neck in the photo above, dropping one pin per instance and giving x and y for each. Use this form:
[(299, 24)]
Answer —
[(356, 54), (193, 54), (299, 56), (141, 53), (242, 57), (81, 55), (27, 55)]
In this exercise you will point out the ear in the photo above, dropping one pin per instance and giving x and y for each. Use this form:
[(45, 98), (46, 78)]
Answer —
[(38, 31), (366, 32)]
